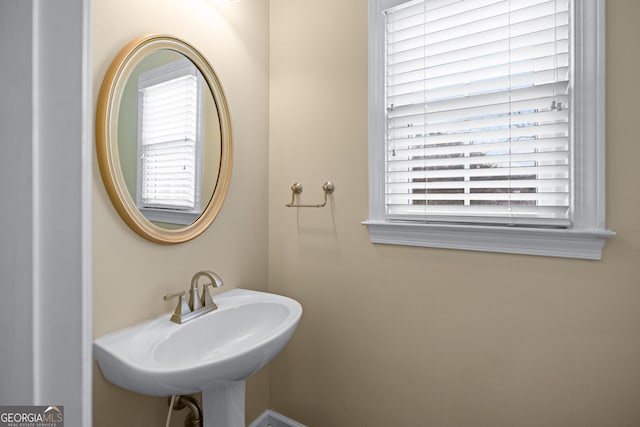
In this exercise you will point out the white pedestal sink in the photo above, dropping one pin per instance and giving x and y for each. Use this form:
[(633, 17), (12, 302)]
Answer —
[(212, 354)]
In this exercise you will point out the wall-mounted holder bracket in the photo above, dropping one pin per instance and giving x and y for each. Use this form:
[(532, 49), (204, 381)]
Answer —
[(296, 188)]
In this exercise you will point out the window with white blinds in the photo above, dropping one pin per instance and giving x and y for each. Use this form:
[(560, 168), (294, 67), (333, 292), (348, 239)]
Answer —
[(477, 111), (169, 133)]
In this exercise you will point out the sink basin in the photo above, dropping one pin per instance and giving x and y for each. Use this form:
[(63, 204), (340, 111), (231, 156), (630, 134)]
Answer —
[(212, 354)]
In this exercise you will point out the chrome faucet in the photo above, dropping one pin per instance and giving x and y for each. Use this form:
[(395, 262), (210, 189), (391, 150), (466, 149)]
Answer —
[(198, 304)]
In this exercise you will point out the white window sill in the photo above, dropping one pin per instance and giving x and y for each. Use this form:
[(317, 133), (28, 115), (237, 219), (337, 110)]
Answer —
[(170, 216), (566, 243)]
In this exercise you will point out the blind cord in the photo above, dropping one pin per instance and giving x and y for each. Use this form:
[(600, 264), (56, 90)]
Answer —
[(510, 207)]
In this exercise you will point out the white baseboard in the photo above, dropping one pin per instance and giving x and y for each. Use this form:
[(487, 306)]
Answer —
[(271, 418)]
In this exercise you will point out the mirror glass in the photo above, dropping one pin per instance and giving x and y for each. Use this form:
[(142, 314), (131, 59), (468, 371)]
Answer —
[(168, 139), (163, 139)]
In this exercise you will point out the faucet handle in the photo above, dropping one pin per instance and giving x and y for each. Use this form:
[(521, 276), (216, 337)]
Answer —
[(181, 309), (173, 295)]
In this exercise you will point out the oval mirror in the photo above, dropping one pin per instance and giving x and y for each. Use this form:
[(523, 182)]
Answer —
[(163, 137)]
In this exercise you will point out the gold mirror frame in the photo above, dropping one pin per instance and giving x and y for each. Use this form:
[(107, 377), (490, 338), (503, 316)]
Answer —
[(107, 145)]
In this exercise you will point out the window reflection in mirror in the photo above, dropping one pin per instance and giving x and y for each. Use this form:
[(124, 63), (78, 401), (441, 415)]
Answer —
[(168, 139)]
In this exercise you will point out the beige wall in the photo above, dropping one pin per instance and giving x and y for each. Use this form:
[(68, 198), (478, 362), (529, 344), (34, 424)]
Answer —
[(130, 274), (399, 336), (390, 335)]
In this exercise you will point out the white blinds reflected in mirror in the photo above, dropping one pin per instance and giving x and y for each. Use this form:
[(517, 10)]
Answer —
[(170, 138), (478, 108)]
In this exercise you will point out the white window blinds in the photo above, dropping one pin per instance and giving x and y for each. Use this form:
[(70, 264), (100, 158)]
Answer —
[(477, 111), (168, 135)]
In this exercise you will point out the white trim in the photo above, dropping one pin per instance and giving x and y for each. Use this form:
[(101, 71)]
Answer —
[(583, 244), (163, 73), (587, 234), (62, 142), (376, 106), (45, 255), (270, 417), (17, 370), (170, 216), (589, 113), (87, 217)]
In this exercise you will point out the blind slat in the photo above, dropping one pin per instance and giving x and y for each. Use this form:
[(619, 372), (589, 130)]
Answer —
[(541, 185), (533, 145), (493, 135), (550, 171), (530, 119), (547, 199), (467, 71), (404, 116), (497, 161)]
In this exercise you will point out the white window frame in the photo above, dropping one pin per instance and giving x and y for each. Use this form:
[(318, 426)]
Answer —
[(587, 234), (173, 70)]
